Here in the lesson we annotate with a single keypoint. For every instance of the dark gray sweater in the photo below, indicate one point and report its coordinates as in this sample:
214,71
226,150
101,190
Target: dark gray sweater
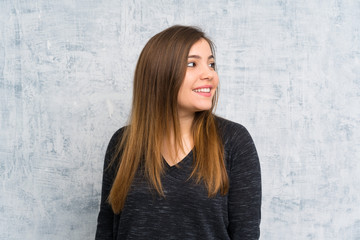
186,212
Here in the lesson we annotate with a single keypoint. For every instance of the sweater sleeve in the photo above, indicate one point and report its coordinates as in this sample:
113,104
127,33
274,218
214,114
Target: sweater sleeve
106,217
244,199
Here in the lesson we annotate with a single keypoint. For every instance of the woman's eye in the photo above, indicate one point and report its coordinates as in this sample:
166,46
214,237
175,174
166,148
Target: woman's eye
191,64
212,65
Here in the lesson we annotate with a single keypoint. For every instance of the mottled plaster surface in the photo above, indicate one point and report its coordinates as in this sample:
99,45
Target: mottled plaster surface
289,72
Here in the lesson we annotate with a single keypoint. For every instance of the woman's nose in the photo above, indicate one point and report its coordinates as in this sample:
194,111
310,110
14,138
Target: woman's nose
207,72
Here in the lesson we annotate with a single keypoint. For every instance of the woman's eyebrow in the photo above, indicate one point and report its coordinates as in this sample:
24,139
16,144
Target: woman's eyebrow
198,57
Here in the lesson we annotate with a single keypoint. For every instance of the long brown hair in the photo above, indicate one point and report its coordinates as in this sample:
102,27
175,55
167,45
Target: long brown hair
158,76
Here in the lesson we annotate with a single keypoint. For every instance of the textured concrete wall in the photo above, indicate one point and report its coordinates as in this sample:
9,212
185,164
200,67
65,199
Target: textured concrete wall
289,72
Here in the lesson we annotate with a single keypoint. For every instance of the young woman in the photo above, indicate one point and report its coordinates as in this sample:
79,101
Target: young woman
177,171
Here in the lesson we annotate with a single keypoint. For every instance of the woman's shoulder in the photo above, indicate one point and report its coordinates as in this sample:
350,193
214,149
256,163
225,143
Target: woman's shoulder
230,129
234,135
117,136
239,146
114,142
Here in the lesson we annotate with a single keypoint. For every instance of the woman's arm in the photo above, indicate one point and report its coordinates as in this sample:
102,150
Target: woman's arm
244,202
105,223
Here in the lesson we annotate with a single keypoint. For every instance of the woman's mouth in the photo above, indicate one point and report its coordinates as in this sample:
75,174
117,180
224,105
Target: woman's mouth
203,90
206,91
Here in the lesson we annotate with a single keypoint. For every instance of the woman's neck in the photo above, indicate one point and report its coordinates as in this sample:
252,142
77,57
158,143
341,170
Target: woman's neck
173,153
186,125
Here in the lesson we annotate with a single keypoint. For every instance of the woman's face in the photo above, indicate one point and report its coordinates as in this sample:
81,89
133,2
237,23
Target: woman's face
199,85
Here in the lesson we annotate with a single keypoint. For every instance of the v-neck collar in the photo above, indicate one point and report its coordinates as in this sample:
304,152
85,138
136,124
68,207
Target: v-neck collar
180,163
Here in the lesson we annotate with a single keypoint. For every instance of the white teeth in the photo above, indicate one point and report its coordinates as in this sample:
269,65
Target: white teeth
204,90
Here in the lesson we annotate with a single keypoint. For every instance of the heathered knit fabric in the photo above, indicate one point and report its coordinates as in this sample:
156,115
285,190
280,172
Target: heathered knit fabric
186,211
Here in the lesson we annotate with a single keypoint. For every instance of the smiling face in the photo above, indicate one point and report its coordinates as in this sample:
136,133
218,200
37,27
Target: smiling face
201,80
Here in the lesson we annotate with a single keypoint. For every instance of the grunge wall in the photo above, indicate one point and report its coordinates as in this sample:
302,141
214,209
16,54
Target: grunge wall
289,72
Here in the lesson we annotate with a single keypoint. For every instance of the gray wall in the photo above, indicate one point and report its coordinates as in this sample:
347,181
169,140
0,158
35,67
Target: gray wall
289,72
